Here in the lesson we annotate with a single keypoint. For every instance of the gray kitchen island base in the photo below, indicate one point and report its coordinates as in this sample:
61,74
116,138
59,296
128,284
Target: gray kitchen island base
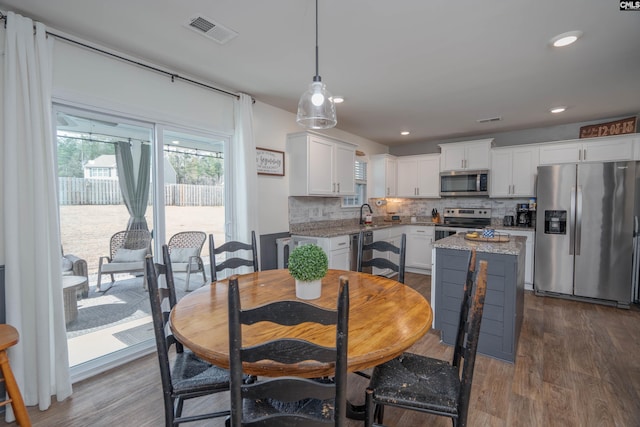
503,309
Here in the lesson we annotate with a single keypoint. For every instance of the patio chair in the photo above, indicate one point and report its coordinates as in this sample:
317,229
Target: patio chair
185,248
127,250
72,265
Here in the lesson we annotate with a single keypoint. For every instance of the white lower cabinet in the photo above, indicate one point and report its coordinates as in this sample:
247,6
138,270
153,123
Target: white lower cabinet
529,256
337,249
419,245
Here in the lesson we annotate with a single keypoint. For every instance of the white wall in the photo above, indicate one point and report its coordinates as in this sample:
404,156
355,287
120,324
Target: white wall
89,79
271,126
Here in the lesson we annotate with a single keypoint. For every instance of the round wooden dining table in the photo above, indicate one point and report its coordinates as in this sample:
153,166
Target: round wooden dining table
385,318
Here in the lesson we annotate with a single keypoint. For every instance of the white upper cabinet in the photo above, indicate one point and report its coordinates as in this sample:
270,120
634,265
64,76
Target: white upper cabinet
384,172
606,149
419,176
320,166
468,155
513,171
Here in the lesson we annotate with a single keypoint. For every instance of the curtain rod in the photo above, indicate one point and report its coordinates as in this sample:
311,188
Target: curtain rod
140,64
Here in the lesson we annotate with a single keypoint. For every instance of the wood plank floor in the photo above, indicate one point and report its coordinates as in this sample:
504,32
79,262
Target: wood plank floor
577,364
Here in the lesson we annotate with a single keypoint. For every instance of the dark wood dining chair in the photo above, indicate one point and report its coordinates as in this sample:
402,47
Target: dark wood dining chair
429,385
233,260
188,376
386,248
288,400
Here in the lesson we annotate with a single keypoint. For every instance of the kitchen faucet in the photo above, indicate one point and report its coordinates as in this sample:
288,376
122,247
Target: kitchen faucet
370,211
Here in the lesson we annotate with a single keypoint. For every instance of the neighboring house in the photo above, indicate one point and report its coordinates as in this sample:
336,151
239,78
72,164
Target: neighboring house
102,167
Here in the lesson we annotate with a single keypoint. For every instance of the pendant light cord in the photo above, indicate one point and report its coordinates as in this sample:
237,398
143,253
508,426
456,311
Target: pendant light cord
316,78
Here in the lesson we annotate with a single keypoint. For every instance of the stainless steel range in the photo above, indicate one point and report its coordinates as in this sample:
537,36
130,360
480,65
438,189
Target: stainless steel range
456,220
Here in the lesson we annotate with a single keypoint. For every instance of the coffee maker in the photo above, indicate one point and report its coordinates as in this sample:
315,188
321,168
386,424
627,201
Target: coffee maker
523,215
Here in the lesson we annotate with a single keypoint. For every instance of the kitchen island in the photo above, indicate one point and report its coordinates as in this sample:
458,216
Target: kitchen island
503,308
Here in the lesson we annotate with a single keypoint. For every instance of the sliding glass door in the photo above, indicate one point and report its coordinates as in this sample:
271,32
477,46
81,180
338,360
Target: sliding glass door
193,195
116,174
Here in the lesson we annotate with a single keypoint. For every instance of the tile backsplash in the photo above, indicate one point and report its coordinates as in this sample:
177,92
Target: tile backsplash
313,209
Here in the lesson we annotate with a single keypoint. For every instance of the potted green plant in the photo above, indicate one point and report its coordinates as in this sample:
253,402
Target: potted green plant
308,264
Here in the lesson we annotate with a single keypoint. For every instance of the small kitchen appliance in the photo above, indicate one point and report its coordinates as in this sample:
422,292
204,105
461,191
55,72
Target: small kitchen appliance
508,221
524,215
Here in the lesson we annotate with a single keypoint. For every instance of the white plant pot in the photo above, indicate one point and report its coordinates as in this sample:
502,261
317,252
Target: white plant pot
309,290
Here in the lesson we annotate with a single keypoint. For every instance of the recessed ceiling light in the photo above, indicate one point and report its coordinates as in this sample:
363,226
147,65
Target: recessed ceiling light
338,99
565,39
175,142
556,110
405,132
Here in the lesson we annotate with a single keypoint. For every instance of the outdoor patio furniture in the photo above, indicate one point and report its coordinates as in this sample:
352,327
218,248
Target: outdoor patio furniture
128,250
74,266
185,248
70,287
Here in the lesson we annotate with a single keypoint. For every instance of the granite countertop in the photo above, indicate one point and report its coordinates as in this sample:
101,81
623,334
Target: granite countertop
342,230
514,246
514,228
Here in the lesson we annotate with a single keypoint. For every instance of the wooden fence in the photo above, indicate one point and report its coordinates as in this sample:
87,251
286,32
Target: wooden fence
92,191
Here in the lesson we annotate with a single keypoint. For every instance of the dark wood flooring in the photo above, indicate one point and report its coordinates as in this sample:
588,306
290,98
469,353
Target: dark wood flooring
578,364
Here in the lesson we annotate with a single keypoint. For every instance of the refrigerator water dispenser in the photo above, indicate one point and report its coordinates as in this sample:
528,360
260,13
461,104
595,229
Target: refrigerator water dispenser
555,222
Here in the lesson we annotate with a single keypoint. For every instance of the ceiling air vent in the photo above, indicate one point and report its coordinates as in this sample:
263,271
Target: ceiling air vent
491,119
211,29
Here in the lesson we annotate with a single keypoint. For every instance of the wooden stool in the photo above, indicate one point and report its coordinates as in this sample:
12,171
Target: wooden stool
9,337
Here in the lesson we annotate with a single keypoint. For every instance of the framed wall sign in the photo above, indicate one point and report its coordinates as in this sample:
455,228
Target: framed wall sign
269,162
619,127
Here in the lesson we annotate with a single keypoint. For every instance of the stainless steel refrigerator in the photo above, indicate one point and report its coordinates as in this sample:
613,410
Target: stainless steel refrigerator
585,231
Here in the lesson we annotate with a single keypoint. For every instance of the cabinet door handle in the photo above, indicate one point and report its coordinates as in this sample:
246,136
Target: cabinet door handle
584,155
341,244
418,191
388,191
338,187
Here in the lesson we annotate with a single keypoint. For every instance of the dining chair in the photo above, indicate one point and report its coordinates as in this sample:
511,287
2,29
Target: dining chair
233,260
8,338
185,248
188,377
424,384
127,251
288,400
384,250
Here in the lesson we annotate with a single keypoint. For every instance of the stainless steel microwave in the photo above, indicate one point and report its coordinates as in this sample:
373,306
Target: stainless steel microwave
464,183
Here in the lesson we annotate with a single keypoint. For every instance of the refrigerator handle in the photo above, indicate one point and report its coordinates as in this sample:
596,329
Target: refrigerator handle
572,216
578,219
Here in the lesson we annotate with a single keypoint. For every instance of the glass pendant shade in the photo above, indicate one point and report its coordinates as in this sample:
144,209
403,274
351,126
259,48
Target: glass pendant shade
316,109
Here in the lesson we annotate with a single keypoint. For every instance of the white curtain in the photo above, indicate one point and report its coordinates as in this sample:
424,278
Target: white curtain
244,174
31,239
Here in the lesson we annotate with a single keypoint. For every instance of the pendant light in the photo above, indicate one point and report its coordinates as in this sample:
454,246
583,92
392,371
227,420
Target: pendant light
316,109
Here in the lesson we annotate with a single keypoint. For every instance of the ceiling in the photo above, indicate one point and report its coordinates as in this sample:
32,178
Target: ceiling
431,67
